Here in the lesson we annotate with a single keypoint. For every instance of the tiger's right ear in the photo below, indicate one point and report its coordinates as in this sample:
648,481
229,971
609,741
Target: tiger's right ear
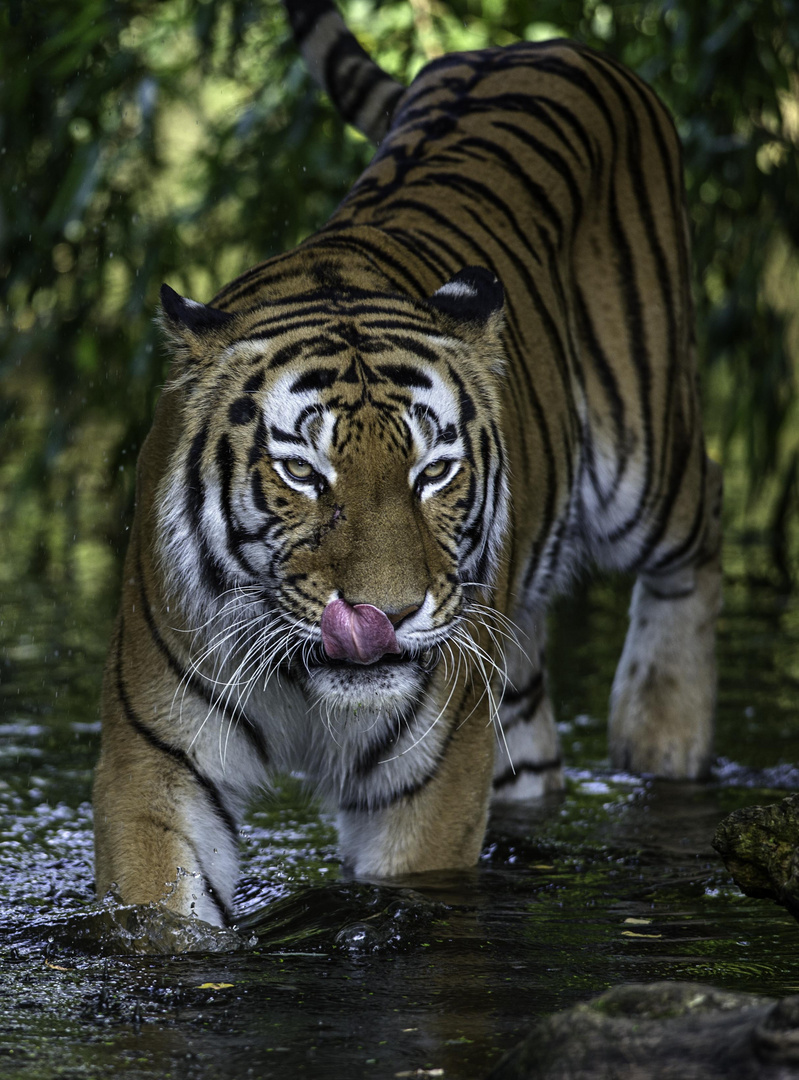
473,296
192,330
471,306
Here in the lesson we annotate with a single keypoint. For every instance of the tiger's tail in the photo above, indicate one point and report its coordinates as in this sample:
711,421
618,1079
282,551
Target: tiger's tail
364,95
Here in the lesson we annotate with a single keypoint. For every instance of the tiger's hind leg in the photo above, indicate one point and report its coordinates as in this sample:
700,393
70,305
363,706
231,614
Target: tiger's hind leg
663,696
527,762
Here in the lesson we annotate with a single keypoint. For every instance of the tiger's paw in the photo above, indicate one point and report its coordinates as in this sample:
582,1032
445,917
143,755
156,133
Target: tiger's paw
660,726
663,699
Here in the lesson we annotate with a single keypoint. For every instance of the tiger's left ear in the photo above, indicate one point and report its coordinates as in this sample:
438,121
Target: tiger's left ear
473,296
191,315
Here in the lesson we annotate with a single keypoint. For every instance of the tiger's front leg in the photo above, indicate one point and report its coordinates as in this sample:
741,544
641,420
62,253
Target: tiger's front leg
528,761
173,777
438,821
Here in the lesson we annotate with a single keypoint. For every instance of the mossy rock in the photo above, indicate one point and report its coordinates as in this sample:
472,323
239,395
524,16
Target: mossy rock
662,1031
760,848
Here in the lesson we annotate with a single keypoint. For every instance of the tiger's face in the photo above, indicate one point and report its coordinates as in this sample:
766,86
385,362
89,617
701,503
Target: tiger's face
337,496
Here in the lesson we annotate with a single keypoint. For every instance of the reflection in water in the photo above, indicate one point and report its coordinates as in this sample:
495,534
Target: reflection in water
613,881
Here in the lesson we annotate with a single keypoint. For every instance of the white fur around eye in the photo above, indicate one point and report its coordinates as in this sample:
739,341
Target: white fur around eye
306,485
433,422
436,469
428,487
299,468
309,438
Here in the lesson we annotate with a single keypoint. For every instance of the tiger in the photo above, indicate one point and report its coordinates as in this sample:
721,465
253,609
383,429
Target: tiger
377,458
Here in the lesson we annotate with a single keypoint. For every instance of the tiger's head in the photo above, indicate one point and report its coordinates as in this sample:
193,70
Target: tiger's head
337,489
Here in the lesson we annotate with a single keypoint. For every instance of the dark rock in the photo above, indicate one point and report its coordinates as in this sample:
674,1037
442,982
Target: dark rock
760,848
662,1031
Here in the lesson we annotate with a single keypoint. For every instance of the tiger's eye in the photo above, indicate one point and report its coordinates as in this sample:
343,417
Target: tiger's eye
435,470
298,468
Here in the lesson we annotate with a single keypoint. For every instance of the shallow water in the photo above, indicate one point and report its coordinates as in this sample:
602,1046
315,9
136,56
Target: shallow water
614,881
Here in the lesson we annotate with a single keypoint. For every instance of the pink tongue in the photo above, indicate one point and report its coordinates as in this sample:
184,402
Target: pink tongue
361,633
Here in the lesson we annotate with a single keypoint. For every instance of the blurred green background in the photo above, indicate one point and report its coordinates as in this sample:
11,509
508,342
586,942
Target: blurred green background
144,141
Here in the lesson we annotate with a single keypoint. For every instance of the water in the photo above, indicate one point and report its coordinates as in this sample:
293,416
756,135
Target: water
614,881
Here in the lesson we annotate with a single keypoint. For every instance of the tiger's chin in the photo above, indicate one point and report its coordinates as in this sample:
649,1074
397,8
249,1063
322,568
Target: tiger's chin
390,684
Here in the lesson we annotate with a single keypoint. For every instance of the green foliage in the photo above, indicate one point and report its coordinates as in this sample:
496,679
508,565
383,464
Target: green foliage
144,141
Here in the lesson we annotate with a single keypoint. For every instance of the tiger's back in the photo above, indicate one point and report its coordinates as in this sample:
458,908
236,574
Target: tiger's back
365,451
561,172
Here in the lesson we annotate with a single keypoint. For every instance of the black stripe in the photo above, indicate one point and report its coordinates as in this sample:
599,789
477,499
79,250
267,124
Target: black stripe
424,253
286,436
615,401
679,594
561,110
418,348
351,75
367,805
634,160
398,323
259,497
405,375
476,532
370,757
533,689
542,110
255,382
634,320
286,353
511,167
210,570
195,496
233,715
376,254
242,411
682,552
258,447
174,752
235,536
305,318
353,94
513,772
545,153
655,113
315,379
210,889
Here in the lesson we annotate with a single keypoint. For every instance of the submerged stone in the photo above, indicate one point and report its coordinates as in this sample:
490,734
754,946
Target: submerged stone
662,1031
760,848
